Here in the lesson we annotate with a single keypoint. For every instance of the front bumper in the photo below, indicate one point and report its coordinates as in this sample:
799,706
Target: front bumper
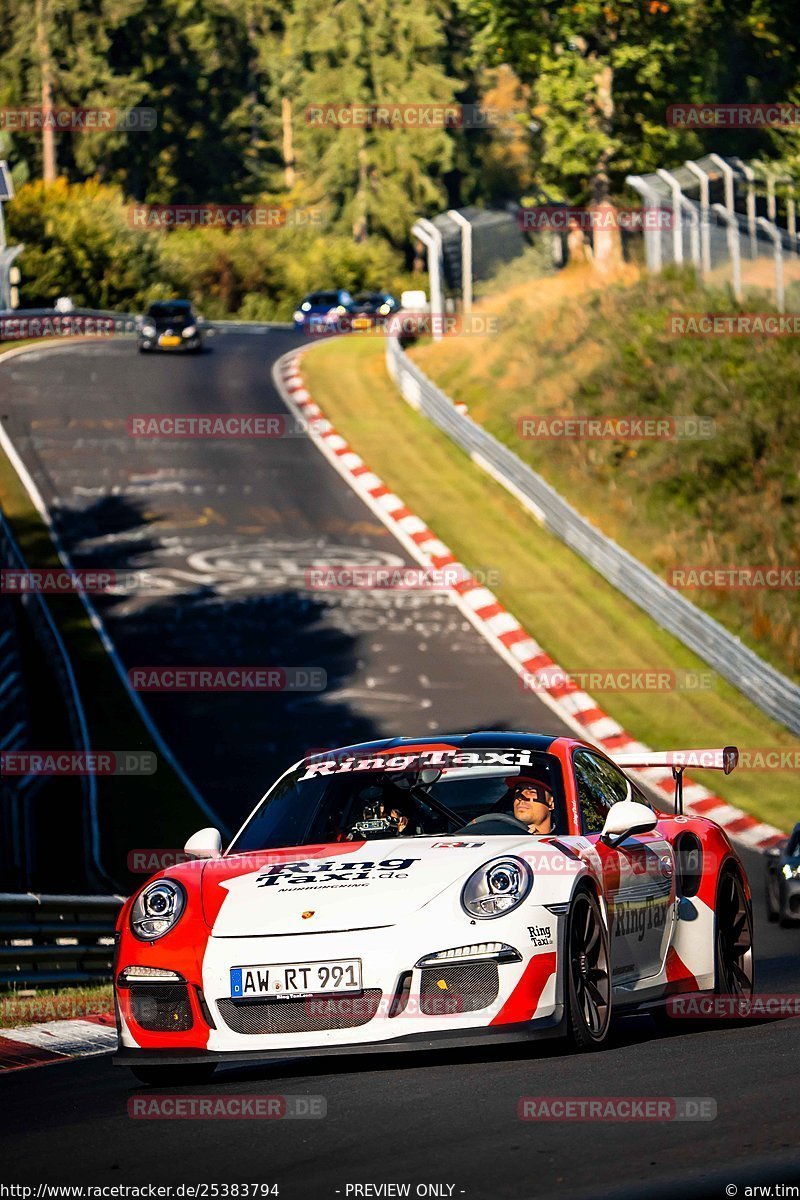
497,1035
192,343
399,1008
789,894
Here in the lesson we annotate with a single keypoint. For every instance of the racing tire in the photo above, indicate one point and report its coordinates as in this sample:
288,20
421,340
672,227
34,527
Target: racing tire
189,1075
587,984
733,938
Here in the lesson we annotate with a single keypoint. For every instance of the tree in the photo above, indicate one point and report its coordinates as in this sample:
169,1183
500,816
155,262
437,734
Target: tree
602,74
79,243
375,180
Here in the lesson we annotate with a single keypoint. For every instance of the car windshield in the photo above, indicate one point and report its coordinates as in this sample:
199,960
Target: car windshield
320,298
398,795
172,308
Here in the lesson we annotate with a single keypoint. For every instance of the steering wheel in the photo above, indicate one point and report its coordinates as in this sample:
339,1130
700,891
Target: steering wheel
493,818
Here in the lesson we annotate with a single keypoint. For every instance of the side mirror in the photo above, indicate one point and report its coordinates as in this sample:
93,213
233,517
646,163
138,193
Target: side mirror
206,843
625,818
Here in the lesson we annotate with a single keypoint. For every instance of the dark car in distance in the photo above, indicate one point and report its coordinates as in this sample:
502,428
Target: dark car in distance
783,879
372,308
170,325
322,310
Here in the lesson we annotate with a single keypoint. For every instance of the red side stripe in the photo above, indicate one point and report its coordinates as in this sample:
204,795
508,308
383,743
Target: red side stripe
524,1000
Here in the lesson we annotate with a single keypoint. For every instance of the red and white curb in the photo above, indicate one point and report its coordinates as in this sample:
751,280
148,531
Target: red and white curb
500,628
56,1041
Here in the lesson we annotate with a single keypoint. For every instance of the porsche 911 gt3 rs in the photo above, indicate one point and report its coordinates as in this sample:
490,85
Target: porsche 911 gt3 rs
403,894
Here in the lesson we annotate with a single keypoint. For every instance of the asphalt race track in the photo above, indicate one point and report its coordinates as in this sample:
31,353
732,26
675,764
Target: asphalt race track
227,531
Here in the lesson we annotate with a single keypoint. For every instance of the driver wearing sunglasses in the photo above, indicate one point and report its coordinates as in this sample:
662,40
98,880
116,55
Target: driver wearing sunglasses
533,803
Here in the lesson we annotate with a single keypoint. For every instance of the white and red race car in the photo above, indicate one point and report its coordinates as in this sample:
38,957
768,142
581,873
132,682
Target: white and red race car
413,894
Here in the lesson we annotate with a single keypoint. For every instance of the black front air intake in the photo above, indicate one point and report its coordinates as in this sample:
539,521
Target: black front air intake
458,989
161,1007
300,1016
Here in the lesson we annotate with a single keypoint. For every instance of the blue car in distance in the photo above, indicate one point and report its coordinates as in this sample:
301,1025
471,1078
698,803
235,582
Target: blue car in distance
331,304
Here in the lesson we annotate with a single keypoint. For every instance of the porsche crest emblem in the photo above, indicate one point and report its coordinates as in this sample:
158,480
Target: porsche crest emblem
308,913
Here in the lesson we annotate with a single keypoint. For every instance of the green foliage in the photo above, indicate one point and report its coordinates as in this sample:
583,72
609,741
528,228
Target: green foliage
378,180
80,242
672,501
603,73
581,86
262,274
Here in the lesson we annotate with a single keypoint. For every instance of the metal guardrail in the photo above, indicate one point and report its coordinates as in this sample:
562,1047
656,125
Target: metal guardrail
49,637
51,940
766,687
128,322
123,322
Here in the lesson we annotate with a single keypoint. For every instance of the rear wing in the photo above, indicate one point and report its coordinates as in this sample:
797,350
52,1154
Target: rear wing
724,759
720,759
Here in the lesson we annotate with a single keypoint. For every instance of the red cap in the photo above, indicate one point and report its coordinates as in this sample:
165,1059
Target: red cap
517,781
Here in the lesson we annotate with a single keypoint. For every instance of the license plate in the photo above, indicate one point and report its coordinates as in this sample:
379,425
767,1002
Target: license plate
338,976
164,340
361,323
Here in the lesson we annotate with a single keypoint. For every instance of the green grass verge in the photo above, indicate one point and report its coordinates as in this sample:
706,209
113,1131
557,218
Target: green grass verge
578,618
133,811
569,346
31,1007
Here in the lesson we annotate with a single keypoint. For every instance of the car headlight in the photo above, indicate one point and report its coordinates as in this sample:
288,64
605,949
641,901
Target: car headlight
299,316
496,888
157,909
149,330
190,331
790,872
